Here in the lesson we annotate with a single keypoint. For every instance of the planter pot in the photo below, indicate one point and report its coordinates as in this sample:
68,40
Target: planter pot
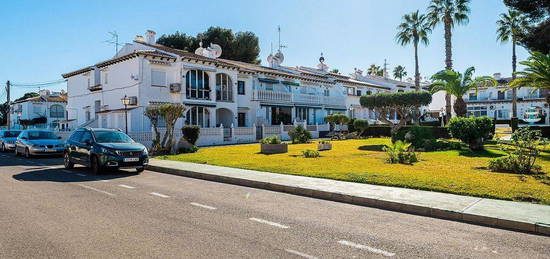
274,148
326,146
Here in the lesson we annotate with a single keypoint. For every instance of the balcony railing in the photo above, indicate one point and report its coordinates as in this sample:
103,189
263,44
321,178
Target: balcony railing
285,97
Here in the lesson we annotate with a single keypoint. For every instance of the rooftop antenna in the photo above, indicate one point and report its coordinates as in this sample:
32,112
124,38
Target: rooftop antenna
114,41
280,46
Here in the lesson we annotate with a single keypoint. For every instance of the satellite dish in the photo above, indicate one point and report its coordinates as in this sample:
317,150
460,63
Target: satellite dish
215,50
279,57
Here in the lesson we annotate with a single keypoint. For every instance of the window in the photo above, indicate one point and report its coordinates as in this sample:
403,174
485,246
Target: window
241,119
369,92
86,137
269,87
326,92
37,108
240,88
301,114
76,136
477,111
472,96
57,111
88,115
501,95
351,91
198,116
358,92
105,78
197,85
224,88
400,91
111,137
158,78
503,114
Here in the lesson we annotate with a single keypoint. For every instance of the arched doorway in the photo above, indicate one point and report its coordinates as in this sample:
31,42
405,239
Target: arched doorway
224,116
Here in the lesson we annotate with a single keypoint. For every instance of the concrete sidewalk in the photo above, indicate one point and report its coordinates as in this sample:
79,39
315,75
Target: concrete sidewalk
520,216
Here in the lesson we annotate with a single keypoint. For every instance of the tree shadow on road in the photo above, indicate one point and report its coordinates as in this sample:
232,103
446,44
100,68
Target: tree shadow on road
80,174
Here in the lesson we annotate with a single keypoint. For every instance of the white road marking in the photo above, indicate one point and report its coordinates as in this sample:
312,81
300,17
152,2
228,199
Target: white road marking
301,254
159,195
269,222
203,206
97,190
79,174
126,186
368,248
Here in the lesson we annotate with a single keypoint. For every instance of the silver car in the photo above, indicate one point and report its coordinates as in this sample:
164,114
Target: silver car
38,142
7,139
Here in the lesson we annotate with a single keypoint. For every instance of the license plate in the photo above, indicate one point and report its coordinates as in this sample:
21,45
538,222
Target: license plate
131,159
50,150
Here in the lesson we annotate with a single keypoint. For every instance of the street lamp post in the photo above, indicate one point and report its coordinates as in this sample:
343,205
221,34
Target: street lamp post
126,102
19,114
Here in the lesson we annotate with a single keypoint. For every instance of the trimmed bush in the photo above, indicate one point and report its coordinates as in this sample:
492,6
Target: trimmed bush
271,140
415,135
191,133
472,131
361,126
299,135
192,149
308,153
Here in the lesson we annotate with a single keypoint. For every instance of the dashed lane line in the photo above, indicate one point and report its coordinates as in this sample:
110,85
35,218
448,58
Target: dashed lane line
301,254
126,186
95,189
274,224
159,195
367,248
202,206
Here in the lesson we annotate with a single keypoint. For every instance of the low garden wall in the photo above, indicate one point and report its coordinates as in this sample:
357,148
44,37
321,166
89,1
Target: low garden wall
385,131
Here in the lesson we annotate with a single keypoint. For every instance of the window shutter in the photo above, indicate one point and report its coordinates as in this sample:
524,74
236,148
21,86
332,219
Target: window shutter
158,78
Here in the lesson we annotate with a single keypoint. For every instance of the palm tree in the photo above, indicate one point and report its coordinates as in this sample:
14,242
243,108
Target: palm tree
448,12
458,84
510,26
536,73
399,72
375,70
414,29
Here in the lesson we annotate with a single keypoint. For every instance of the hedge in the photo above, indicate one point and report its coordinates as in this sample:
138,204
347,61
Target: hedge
385,131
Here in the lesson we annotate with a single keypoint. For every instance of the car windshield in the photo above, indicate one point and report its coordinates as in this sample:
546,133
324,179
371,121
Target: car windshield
11,134
112,137
41,135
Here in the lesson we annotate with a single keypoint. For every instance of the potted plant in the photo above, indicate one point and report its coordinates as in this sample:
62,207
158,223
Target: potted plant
273,145
324,145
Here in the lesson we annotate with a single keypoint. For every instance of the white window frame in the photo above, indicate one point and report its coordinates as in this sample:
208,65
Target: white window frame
160,75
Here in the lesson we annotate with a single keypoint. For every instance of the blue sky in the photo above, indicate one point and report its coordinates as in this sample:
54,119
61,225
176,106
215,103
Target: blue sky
43,39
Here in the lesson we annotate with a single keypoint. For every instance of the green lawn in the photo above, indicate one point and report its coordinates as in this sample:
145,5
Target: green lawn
454,171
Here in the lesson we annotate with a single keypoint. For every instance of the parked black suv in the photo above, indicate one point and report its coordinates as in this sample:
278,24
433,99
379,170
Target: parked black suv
104,148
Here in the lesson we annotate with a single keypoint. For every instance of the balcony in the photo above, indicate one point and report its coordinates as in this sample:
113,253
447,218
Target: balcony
95,87
285,97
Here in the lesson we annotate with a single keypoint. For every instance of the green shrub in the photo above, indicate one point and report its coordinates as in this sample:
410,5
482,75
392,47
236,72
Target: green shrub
192,149
522,153
191,133
299,135
472,131
271,140
308,153
400,152
361,126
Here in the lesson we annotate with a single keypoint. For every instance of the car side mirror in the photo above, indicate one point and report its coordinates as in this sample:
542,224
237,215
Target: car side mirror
58,137
25,138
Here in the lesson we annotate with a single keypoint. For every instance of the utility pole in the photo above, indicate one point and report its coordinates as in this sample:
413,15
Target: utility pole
8,102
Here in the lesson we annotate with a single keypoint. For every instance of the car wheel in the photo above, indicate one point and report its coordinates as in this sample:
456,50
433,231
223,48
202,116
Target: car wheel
67,161
140,169
94,163
27,153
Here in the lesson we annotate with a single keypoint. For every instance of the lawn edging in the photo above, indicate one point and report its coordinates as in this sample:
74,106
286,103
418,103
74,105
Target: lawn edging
504,221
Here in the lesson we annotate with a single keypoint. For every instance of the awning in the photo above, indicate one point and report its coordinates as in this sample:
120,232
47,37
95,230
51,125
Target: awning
308,106
290,83
200,104
277,105
269,81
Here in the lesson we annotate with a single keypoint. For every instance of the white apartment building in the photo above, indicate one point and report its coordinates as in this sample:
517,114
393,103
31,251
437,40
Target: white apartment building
48,108
496,102
216,92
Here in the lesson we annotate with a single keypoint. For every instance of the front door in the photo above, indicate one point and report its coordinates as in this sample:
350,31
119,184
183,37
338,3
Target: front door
241,119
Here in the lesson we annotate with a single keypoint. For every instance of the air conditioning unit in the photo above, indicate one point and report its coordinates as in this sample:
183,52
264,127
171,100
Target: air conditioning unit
133,100
175,88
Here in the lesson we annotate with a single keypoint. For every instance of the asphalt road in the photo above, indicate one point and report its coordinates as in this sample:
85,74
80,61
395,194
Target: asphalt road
47,211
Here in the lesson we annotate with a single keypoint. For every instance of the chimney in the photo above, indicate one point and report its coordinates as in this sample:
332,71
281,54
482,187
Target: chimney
44,92
150,36
139,38
497,76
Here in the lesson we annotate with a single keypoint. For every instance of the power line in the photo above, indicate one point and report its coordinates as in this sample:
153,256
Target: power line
55,82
